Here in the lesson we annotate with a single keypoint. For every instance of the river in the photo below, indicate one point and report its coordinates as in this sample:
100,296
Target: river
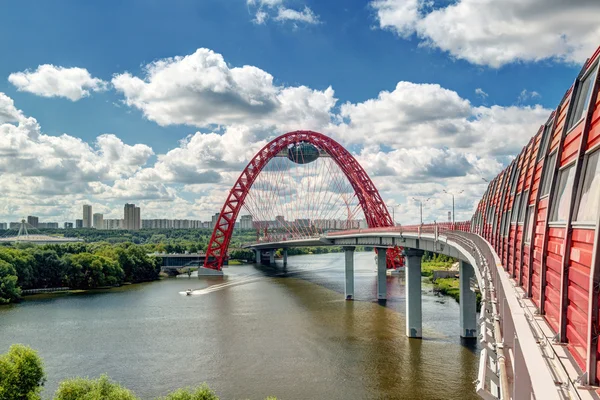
253,333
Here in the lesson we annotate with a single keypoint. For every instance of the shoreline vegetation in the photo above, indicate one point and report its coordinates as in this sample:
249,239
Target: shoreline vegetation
445,286
22,376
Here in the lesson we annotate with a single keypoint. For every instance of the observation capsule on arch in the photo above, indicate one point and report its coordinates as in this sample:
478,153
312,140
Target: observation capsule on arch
303,153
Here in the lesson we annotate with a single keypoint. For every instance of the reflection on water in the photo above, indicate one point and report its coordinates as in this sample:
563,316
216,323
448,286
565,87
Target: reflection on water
256,332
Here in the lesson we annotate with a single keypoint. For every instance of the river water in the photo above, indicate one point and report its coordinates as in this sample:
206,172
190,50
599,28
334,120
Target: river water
254,333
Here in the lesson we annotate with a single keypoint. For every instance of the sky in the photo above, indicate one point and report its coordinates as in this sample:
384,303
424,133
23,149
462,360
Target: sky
162,103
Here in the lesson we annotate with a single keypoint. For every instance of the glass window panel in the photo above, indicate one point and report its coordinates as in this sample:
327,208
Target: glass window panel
524,201
584,95
562,201
506,224
545,141
590,193
515,179
516,204
529,225
547,175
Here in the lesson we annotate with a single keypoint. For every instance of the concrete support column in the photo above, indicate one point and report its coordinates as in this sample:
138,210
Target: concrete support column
272,257
258,255
285,257
381,273
349,253
468,302
414,317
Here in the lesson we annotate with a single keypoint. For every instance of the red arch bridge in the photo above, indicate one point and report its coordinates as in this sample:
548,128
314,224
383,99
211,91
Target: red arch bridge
532,247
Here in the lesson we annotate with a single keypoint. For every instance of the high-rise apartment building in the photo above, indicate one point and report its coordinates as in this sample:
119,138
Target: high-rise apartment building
137,219
68,225
98,221
114,224
3,226
246,222
47,225
78,223
214,220
33,221
87,216
131,217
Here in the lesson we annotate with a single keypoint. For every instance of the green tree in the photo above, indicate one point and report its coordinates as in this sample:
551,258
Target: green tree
85,271
9,291
48,268
200,393
23,263
92,389
21,374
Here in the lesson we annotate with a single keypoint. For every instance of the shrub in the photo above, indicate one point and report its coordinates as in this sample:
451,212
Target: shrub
21,374
92,389
202,392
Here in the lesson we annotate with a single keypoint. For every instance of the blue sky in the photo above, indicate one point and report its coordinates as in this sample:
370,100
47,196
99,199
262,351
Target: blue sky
358,48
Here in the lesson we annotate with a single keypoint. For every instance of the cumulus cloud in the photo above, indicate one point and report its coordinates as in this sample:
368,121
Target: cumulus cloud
495,33
34,165
414,139
8,111
200,89
51,81
417,115
264,10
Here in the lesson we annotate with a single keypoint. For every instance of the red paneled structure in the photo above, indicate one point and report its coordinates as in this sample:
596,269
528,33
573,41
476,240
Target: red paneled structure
542,215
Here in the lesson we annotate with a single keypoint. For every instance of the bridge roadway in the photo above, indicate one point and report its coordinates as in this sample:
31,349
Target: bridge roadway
520,358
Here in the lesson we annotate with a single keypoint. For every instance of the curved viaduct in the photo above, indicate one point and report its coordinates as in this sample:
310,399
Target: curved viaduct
532,248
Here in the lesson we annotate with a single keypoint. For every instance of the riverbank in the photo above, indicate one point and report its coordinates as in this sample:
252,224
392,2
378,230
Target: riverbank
446,286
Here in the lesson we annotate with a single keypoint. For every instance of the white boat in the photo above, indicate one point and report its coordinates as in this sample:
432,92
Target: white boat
188,292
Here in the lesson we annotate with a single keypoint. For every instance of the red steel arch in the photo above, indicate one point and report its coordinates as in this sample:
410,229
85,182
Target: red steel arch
373,207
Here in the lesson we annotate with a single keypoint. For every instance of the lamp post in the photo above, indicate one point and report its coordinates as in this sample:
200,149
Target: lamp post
393,212
452,194
421,207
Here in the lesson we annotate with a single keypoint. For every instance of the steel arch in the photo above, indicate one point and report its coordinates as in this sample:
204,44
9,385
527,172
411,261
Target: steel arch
376,213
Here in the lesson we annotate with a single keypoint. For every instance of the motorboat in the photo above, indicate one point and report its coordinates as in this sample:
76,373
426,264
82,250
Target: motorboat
188,292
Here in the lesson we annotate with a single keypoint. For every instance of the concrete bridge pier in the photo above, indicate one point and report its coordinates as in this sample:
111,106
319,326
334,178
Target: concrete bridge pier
258,256
349,253
414,317
284,258
468,302
381,273
272,257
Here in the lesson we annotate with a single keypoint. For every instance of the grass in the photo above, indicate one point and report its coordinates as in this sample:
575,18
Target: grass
235,262
427,267
448,287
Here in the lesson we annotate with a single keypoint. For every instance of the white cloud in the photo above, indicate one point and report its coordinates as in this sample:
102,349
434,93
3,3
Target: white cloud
306,15
495,33
51,81
401,16
526,95
201,90
415,139
8,111
276,10
417,115
479,92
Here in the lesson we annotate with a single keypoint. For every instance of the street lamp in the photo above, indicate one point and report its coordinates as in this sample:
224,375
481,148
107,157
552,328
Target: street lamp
421,207
393,212
452,194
